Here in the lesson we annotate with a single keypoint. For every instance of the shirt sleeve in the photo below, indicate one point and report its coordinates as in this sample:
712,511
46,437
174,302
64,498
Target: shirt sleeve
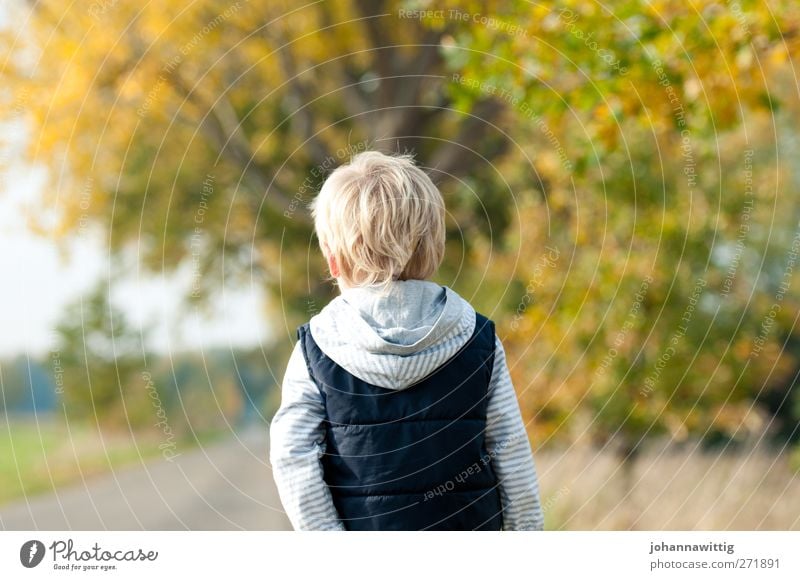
297,442
510,451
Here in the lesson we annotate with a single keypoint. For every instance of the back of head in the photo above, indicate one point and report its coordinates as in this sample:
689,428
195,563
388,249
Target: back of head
382,219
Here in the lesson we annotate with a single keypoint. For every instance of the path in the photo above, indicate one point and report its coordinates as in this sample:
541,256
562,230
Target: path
223,486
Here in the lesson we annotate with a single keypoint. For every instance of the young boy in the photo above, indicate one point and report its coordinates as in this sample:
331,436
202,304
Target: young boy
397,410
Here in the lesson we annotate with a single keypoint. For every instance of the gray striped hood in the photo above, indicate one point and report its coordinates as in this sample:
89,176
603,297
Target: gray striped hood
394,338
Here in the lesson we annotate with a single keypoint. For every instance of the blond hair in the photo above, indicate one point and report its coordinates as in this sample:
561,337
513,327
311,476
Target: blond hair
382,219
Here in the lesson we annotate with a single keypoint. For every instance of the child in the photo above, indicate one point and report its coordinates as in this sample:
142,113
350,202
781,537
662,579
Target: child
397,410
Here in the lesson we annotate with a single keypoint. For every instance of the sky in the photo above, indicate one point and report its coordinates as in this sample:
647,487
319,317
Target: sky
38,282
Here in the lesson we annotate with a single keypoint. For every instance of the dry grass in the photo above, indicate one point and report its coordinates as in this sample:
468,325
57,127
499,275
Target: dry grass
670,489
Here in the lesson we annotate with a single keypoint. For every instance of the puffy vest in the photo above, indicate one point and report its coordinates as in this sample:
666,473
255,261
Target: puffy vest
416,458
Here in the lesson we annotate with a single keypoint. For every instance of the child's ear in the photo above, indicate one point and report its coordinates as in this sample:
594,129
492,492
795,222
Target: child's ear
333,266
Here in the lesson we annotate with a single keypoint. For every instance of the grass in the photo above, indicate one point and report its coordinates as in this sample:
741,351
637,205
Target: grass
40,456
670,488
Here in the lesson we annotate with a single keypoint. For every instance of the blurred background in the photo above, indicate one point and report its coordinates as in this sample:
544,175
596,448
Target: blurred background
622,187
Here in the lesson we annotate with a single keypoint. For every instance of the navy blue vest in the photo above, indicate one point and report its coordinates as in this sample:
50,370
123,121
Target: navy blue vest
410,459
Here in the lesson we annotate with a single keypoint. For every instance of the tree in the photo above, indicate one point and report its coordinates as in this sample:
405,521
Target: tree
198,133
592,156
660,188
102,357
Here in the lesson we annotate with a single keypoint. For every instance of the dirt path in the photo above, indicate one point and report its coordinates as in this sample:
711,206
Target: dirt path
223,486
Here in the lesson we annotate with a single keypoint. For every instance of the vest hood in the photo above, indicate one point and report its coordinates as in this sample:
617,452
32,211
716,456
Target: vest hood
395,337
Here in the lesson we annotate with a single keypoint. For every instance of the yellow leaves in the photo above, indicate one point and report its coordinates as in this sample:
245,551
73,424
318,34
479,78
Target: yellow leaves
744,58
561,319
605,127
72,87
778,55
738,418
604,112
133,88
155,22
539,12
676,426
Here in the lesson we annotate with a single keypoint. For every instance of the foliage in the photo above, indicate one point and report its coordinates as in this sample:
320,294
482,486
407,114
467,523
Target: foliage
100,355
672,212
604,206
198,133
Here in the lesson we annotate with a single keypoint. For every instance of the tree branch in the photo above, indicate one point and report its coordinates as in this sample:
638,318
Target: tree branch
386,56
300,97
450,159
222,125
